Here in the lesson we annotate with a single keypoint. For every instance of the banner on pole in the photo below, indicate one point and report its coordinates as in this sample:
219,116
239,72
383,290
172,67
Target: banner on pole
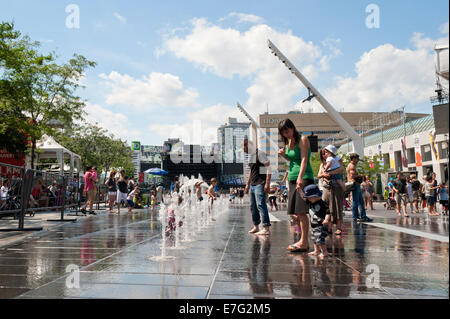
417,151
434,149
391,156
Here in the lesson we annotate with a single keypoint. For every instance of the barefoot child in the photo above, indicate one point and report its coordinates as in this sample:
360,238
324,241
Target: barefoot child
212,194
333,162
130,198
319,217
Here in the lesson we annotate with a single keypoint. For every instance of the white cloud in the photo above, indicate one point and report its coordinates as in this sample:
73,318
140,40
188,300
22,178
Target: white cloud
228,52
116,123
388,77
243,17
200,126
155,90
122,19
444,28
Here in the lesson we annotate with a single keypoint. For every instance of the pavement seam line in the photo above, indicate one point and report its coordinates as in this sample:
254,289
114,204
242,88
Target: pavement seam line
220,263
413,232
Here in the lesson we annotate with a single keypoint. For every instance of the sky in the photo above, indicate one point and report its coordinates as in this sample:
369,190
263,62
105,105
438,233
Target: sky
174,68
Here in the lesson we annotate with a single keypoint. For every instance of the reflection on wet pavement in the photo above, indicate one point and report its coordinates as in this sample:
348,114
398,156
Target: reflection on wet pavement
224,261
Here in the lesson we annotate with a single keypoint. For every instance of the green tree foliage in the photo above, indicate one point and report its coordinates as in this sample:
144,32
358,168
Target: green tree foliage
369,166
37,89
97,148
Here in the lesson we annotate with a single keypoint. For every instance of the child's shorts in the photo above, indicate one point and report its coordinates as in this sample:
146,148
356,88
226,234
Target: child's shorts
319,234
130,202
337,177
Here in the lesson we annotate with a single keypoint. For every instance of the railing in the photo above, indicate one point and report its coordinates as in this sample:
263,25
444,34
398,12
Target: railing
31,191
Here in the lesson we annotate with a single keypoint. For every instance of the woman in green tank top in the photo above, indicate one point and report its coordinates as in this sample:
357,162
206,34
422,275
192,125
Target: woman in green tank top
297,151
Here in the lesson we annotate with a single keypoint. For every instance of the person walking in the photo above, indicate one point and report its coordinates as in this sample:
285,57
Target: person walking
89,188
298,152
415,188
258,184
122,190
333,195
365,187
357,199
241,195
112,190
401,195
273,193
443,198
372,192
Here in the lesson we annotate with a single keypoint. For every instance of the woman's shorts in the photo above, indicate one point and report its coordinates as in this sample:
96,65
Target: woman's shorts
112,195
121,196
296,204
366,195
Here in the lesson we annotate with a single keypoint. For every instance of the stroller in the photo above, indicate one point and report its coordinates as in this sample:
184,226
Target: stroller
390,203
11,203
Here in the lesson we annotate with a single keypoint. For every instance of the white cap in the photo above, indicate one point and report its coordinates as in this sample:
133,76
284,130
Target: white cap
331,148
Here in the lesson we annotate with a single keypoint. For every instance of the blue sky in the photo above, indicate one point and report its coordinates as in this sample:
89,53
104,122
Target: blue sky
165,68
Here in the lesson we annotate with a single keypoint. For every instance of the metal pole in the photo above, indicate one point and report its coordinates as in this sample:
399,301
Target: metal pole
356,139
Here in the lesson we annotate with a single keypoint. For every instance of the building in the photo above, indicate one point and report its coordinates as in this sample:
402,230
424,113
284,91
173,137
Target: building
190,161
319,124
151,157
230,137
410,147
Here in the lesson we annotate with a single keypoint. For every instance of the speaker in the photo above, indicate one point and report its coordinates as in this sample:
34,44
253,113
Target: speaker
314,143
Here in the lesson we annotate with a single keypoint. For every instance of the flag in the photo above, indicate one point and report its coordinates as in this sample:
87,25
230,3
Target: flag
434,145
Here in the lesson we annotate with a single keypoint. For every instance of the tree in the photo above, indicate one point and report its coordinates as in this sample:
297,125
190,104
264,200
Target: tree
43,90
97,147
369,166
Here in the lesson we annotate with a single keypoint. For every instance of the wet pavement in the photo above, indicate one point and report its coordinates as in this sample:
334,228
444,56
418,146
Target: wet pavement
224,261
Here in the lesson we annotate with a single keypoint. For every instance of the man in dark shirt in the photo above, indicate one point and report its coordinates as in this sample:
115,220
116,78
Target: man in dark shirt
416,186
258,184
401,194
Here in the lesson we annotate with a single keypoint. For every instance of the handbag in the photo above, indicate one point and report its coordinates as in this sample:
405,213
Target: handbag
349,187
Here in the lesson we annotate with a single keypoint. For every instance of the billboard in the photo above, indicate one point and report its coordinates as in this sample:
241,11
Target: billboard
135,146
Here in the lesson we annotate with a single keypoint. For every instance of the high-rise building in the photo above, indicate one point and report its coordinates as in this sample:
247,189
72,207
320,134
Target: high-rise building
230,137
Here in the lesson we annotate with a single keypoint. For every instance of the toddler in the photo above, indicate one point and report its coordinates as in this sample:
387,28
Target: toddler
319,218
332,164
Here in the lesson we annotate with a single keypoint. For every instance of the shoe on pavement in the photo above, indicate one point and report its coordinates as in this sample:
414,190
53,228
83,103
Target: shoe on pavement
366,219
92,213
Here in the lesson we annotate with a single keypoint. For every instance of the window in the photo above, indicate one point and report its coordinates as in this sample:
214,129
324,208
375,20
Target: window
411,154
443,149
426,153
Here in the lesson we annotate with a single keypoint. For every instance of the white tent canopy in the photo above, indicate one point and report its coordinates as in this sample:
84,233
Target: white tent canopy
48,148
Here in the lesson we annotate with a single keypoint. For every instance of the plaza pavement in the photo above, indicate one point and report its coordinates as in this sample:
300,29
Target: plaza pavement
390,258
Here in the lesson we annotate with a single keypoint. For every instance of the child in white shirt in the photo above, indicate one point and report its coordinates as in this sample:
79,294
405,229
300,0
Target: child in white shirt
332,164
130,198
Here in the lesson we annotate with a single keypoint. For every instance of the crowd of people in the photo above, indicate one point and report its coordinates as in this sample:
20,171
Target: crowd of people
420,195
324,202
